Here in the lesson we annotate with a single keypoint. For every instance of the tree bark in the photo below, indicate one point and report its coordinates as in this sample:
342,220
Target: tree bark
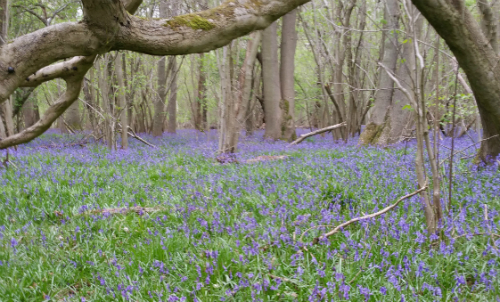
271,79
287,72
172,101
159,106
476,56
379,118
122,100
241,104
201,100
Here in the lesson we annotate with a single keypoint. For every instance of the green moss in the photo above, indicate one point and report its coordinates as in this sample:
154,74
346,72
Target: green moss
371,134
191,20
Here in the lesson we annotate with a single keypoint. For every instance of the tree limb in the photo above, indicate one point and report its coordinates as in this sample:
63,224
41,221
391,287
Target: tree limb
383,211
319,131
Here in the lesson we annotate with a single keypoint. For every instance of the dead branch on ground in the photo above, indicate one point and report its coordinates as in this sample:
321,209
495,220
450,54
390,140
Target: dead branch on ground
383,211
319,131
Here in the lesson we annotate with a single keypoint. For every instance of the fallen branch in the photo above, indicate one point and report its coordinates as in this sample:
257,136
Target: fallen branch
124,211
132,134
282,279
477,234
319,131
266,158
383,211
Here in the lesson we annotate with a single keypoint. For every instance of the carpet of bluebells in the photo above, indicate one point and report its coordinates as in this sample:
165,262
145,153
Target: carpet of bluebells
236,231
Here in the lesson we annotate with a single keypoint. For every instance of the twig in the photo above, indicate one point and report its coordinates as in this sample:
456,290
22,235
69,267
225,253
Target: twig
123,211
319,131
462,150
282,278
383,211
477,234
450,184
310,229
132,134
361,268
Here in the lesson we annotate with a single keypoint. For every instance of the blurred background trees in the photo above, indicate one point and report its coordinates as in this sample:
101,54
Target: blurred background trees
325,63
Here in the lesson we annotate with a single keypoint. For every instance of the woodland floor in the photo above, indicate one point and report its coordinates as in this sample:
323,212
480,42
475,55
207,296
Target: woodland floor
78,223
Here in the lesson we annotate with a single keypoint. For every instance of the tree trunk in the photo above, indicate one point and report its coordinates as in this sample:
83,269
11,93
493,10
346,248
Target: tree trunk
30,112
239,109
72,117
160,100
476,56
227,120
201,100
379,118
287,72
272,90
122,100
90,99
172,102
159,106
6,107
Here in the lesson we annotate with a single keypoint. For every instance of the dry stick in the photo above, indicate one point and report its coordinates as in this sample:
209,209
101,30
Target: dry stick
362,265
450,185
319,131
383,211
124,211
477,234
132,134
282,278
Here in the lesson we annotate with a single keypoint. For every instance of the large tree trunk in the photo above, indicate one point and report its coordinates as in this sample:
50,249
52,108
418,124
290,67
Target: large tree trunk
379,118
287,72
271,79
476,56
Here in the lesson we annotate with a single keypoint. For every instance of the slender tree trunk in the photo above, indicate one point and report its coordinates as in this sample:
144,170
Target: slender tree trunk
72,116
159,106
272,90
90,99
172,102
122,100
239,111
30,111
380,118
201,100
6,107
227,108
107,104
252,108
287,72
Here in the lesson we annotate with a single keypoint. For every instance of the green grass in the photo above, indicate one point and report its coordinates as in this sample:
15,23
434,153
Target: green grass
252,215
